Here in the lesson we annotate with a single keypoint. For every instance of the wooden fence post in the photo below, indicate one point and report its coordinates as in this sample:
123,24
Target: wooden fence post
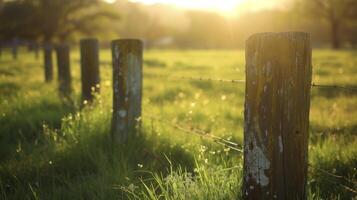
277,103
64,71
89,68
127,55
48,62
14,49
36,49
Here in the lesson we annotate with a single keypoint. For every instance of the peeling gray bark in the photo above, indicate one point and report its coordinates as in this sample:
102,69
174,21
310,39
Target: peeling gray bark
277,103
127,87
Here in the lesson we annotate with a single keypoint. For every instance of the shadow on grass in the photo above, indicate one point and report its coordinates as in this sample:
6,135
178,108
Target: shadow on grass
24,125
154,63
203,85
90,168
8,89
334,92
169,95
333,187
320,133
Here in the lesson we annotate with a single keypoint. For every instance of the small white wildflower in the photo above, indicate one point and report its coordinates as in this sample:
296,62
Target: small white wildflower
131,187
226,149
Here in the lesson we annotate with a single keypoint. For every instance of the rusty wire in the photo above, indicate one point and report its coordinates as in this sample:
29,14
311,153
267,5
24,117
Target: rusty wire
234,146
353,89
221,80
330,174
198,132
191,78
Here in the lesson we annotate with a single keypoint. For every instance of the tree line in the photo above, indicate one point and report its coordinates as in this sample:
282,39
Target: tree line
330,22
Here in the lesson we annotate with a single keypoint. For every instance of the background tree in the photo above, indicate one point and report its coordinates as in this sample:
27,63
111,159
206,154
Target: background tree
50,20
336,12
15,20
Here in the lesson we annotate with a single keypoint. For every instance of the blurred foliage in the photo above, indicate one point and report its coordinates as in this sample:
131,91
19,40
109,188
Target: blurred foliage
341,15
50,20
166,26
330,22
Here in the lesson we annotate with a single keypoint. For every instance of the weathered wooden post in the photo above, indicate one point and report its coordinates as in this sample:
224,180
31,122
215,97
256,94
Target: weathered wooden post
64,71
89,68
14,49
277,103
48,62
36,49
127,55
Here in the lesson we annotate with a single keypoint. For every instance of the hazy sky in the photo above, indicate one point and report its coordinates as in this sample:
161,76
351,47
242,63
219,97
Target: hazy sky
226,7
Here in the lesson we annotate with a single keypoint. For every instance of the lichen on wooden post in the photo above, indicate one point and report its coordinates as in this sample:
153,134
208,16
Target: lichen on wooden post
127,55
89,68
48,66
277,103
64,71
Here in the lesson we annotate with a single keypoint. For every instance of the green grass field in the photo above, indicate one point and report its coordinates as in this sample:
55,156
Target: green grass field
50,149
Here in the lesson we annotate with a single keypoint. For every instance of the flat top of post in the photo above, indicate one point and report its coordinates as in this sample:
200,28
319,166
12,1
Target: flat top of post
292,35
128,41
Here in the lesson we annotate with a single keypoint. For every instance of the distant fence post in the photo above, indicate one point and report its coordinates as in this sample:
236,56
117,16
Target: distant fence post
127,55
14,48
36,50
89,68
64,71
277,103
48,65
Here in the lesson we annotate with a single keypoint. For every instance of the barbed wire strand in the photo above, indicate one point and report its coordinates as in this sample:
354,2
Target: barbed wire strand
342,185
354,89
202,132
332,174
191,78
205,132
209,79
243,81
215,139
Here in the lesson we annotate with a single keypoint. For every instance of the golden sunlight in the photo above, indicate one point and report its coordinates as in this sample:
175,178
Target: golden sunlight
110,1
223,6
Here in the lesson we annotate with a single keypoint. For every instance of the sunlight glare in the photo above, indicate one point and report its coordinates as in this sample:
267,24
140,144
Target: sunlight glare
110,1
224,6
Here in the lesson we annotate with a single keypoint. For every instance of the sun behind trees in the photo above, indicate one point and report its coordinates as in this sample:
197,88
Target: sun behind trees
174,108
330,23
